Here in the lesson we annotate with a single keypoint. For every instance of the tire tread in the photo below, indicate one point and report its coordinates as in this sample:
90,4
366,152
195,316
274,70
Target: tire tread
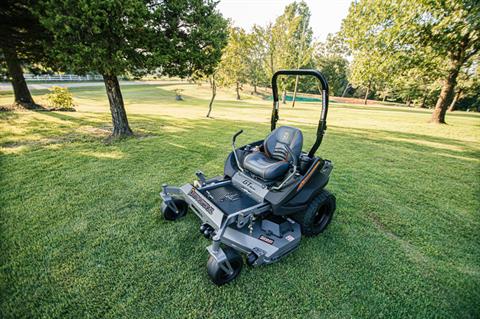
304,218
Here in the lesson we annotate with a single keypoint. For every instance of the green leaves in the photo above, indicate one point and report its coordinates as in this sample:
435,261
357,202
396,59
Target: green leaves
335,69
293,36
410,45
116,37
233,67
21,32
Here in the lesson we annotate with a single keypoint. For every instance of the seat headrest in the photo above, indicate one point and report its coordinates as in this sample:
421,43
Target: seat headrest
284,135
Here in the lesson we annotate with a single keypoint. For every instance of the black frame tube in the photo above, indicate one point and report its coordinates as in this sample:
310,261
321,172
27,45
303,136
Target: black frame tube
322,123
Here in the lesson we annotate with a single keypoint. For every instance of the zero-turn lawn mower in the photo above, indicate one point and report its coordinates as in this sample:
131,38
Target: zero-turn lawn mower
270,194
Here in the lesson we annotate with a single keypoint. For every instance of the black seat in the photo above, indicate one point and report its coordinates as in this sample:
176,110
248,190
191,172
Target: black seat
273,163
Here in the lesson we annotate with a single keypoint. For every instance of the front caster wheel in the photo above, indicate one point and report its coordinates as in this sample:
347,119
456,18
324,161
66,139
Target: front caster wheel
218,274
170,214
318,215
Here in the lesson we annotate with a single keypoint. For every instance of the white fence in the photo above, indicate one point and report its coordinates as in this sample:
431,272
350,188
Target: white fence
63,77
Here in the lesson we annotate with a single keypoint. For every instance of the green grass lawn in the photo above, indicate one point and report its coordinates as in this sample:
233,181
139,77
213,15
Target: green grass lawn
82,236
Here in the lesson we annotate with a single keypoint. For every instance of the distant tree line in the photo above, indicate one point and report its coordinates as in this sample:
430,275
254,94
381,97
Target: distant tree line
251,58
418,52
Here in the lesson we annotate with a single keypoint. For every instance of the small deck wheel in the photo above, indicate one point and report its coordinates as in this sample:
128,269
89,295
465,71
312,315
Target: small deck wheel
318,215
218,274
171,214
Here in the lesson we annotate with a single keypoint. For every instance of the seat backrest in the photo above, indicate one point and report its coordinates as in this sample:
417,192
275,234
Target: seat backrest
275,143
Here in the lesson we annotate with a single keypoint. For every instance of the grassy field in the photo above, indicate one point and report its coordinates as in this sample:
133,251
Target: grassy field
82,236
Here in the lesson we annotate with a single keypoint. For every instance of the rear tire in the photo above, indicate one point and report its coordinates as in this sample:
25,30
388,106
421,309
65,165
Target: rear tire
318,214
217,274
170,214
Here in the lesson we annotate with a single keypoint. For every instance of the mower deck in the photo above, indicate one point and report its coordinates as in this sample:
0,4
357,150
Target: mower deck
223,205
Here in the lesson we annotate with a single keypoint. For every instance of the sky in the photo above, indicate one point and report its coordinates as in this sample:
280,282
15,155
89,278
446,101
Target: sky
327,15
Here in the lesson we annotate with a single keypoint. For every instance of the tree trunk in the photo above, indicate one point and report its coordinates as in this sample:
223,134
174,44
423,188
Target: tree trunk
366,94
407,103
384,98
445,97
271,63
213,85
284,96
346,88
457,59
295,91
451,108
119,116
255,88
424,100
238,91
20,89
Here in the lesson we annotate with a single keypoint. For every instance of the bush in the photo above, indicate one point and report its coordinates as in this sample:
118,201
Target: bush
60,99
178,94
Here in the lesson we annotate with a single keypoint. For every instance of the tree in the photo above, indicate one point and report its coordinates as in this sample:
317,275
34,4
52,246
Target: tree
270,42
302,44
285,44
330,59
467,80
293,36
232,69
453,32
117,37
334,45
213,86
200,78
470,97
256,56
335,69
410,78
448,31
22,40
368,71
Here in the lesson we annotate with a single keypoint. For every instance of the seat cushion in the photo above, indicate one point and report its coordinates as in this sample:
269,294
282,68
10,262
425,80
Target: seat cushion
283,136
265,167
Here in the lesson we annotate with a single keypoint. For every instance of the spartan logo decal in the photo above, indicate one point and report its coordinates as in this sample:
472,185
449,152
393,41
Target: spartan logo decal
201,201
285,137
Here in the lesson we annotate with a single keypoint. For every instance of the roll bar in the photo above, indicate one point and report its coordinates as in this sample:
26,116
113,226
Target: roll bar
322,124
